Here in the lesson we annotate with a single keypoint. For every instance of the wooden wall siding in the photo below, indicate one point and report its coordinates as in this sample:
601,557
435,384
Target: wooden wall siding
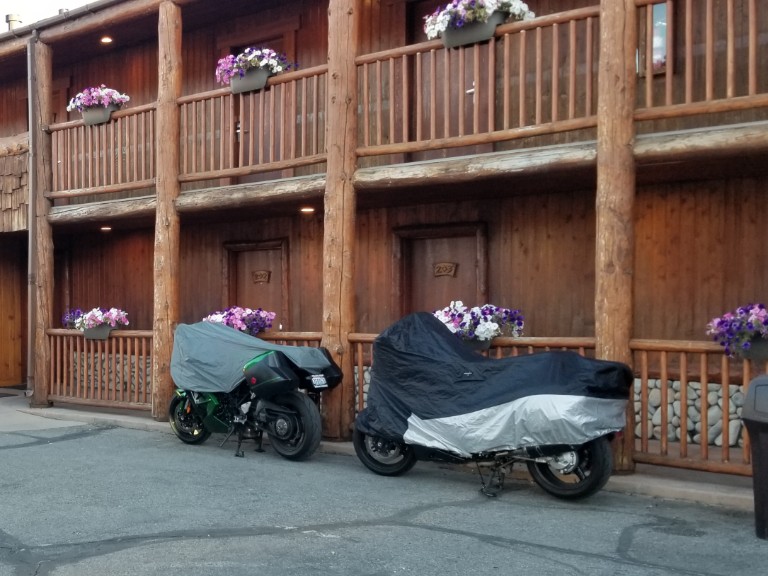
131,70
701,250
13,273
719,52
282,126
542,263
204,290
113,269
13,104
111,157
304,23
14,191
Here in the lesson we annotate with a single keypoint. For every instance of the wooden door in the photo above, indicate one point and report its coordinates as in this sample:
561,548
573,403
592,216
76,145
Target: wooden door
259,279
440,264
12,301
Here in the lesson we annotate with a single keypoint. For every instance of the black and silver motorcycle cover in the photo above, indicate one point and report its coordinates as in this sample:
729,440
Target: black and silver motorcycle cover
209,357
428,388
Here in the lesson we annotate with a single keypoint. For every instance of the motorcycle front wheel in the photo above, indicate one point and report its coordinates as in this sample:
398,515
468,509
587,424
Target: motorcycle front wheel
384,457
295,435
575,474
185,423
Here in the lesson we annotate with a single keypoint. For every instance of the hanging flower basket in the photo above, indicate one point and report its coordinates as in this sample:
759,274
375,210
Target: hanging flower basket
99,322
473,32
477,345
463,22
253,79
97,103
250,69
757,351
743,332
99,115
100,332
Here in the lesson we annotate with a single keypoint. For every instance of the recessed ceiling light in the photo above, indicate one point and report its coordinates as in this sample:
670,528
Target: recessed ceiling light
106,228
106,39
307,209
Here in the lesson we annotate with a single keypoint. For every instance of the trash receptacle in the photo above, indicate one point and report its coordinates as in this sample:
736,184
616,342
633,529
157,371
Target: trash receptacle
755,416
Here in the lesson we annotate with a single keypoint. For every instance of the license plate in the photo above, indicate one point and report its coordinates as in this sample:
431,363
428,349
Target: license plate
319,381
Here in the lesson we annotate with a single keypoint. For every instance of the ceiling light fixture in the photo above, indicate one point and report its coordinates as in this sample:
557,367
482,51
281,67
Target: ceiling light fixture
106,39
307,209
106,228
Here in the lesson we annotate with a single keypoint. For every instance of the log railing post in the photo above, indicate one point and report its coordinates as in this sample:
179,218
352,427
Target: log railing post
40,75
167,226
340,207
615,198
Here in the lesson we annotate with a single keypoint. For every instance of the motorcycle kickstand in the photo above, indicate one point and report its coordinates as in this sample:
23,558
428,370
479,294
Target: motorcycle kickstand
238,451
496,472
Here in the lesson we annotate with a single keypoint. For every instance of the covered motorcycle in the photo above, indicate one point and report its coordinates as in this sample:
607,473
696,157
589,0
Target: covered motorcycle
432,397
230,382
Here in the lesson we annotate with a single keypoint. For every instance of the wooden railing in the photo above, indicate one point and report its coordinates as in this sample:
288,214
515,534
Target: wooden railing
225,135
670,377
113,373
715,66
689,392
427,97
535,78
112,157
691,395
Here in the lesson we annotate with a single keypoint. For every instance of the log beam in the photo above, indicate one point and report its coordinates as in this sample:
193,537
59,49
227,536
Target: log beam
122,209
340,207
167,226
615,198
252,195
40,265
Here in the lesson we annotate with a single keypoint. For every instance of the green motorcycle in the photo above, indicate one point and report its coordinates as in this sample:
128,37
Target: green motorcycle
277,391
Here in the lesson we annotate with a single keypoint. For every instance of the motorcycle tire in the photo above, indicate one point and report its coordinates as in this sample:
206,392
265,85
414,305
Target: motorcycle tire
384,457
295,436
187,425
576,474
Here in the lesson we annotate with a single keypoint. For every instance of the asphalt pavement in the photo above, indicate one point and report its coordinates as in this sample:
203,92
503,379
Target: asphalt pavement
720,490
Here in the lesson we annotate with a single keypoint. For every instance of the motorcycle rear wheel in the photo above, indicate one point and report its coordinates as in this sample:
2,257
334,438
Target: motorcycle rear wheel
295,436
185,423
384,457
584,476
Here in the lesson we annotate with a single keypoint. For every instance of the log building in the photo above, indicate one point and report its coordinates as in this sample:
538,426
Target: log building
600,167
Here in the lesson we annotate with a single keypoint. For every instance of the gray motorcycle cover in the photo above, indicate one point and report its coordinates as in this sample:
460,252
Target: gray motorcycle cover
209,357
429,389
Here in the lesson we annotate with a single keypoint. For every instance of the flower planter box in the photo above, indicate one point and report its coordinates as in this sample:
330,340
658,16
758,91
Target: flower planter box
758,350
98,115
100,332
473,32
478,345
254,79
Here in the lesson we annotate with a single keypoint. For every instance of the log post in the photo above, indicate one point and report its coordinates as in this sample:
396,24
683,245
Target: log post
614,251
167,226
40,266
340,208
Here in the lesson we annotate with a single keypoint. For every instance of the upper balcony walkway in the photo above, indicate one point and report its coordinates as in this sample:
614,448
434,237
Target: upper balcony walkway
498,103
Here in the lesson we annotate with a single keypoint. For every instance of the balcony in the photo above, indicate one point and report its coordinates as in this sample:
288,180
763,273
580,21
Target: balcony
534,85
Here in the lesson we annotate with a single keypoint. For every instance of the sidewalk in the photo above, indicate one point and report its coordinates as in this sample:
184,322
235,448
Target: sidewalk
722,490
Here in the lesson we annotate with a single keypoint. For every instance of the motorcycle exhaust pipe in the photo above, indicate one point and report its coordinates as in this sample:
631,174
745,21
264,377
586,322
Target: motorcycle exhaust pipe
549,450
